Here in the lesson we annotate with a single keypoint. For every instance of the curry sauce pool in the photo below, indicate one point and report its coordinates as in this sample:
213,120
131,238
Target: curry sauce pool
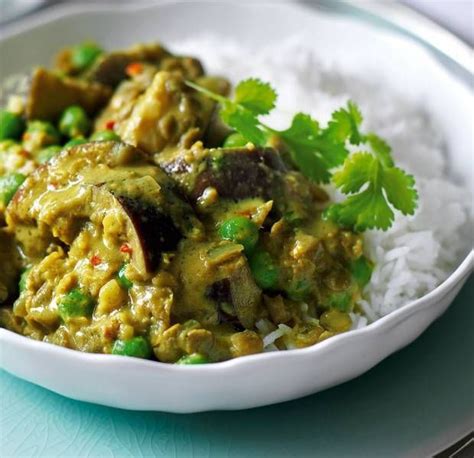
172,225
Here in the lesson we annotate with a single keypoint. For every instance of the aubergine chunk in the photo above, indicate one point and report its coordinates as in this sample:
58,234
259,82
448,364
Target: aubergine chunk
10,263
111,68
121,104
108,185
50,94
241,173
169,114
237,174
215,285
151,230
155,231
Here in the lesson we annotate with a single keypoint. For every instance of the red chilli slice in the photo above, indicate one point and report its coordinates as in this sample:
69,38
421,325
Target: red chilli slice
110,125
95,260
126,248
134,68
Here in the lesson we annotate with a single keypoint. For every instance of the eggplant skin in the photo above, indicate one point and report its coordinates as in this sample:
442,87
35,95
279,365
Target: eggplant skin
49,95
220,292
110,68
213,290
240,173
154,229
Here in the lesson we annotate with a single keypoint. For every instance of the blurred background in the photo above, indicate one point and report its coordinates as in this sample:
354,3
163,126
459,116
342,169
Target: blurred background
455,15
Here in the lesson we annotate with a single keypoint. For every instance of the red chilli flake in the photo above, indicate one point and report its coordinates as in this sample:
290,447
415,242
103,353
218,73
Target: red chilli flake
25,154
110,125
125,248
95,260
134,68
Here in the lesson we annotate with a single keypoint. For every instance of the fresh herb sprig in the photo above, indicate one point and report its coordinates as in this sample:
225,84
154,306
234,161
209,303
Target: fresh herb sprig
373,184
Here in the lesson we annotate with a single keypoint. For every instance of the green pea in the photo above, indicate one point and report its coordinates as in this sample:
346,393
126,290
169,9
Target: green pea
340,301
75,303
74,122
194,358
84,55
138,347
47,153
362,270
11,125
9,184
122,279
240,230
23,278
264,270
105,136
235,140
52,136
75,142
298,290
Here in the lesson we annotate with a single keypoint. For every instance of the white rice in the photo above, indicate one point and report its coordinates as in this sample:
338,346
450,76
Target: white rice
270,338
417,253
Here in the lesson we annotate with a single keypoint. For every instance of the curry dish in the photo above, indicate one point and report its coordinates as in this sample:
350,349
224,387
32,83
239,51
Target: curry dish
133,221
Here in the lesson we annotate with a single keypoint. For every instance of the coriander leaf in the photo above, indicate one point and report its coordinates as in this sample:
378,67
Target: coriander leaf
380,148
311,165
400,190
370,208
366,210
244,122
256,96
356,120
344,125
334,154
355,173
304,126
313,154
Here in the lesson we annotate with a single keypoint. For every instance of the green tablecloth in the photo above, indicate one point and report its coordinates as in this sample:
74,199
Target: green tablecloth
401,405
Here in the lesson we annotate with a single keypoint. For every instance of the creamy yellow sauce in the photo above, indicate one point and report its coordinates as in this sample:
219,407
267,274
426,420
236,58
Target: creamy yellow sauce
110,241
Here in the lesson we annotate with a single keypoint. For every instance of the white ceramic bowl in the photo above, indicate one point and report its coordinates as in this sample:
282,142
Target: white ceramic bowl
271,377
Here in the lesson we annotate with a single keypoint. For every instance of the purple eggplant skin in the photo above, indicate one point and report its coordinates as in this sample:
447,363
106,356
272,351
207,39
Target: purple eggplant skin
240,173
155,231
220,292
237,298
111,68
